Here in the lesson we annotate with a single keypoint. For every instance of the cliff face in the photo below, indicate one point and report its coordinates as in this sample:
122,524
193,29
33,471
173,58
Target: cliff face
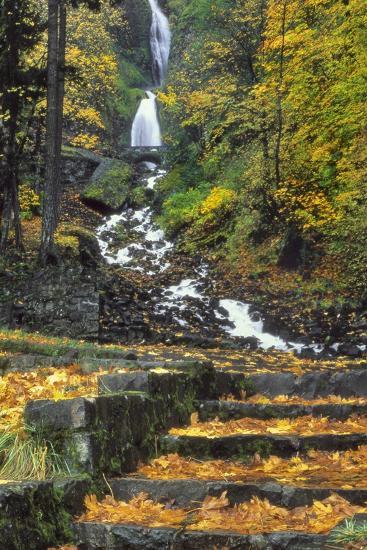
135,44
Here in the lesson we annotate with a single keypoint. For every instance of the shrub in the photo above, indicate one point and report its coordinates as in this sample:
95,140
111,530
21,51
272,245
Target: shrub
29,201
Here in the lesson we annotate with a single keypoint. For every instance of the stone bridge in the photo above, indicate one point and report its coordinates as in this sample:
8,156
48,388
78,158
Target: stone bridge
147,154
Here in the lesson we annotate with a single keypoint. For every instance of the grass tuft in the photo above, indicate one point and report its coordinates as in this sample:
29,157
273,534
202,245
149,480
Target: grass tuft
350,531
25,458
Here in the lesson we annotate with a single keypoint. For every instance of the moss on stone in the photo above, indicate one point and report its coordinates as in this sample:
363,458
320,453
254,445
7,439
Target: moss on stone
111,186
34,517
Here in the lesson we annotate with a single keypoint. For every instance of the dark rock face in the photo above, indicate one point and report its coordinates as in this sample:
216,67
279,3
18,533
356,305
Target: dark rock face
245,446
94,536
232,410
122,309
37,515
185,493
111,433
62,301
348,383
78,302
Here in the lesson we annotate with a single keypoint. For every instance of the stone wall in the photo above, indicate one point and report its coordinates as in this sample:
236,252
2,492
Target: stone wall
64,301
113,432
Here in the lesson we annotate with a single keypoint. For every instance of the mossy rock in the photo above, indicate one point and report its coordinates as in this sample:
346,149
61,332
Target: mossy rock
78,242
110,186
78,153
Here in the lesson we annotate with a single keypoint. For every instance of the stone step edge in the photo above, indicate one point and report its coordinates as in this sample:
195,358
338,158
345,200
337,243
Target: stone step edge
210,409
121,536
187,491
237,446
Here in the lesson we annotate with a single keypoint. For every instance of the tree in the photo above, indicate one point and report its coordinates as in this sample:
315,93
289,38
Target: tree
57,13
20,29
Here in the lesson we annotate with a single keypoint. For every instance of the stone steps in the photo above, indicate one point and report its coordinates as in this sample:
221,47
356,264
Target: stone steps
128,422
308,385
234,410
186,493
245,446
97,536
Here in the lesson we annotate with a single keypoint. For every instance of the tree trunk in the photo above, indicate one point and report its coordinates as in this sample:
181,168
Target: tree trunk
53,140
60,99
278,143
10,107
5,218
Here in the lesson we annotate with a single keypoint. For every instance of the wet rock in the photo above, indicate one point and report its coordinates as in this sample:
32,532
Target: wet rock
350,350
61,415
273,384
92,536
131,381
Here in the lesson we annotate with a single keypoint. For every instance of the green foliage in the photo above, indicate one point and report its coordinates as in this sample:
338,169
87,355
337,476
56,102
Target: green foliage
181,209
130,83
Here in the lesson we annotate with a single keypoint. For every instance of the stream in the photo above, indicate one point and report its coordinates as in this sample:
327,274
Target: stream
188,303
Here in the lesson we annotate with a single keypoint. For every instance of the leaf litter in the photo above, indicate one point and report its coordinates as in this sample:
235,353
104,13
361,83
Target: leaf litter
302,425
337,469
215,513
259,399
17,388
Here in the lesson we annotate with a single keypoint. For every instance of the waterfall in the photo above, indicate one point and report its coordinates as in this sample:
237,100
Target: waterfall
160,42
146,131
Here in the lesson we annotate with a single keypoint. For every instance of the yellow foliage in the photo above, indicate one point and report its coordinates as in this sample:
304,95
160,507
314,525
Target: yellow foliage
332,469
17,388
28,199
305,204
66,241
219,199
168,98
86,141
304,425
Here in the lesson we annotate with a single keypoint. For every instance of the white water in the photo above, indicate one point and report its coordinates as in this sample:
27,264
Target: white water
238,314
146,131
150,239
160,43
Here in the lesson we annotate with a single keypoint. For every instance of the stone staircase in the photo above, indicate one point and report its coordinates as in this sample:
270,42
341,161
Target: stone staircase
145,412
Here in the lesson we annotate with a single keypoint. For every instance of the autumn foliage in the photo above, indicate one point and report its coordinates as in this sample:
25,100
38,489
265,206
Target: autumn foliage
303,425
331,469
16,388
270,97
255,516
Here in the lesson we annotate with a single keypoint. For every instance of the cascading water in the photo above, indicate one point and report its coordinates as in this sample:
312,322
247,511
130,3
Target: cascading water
160,43
146,131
